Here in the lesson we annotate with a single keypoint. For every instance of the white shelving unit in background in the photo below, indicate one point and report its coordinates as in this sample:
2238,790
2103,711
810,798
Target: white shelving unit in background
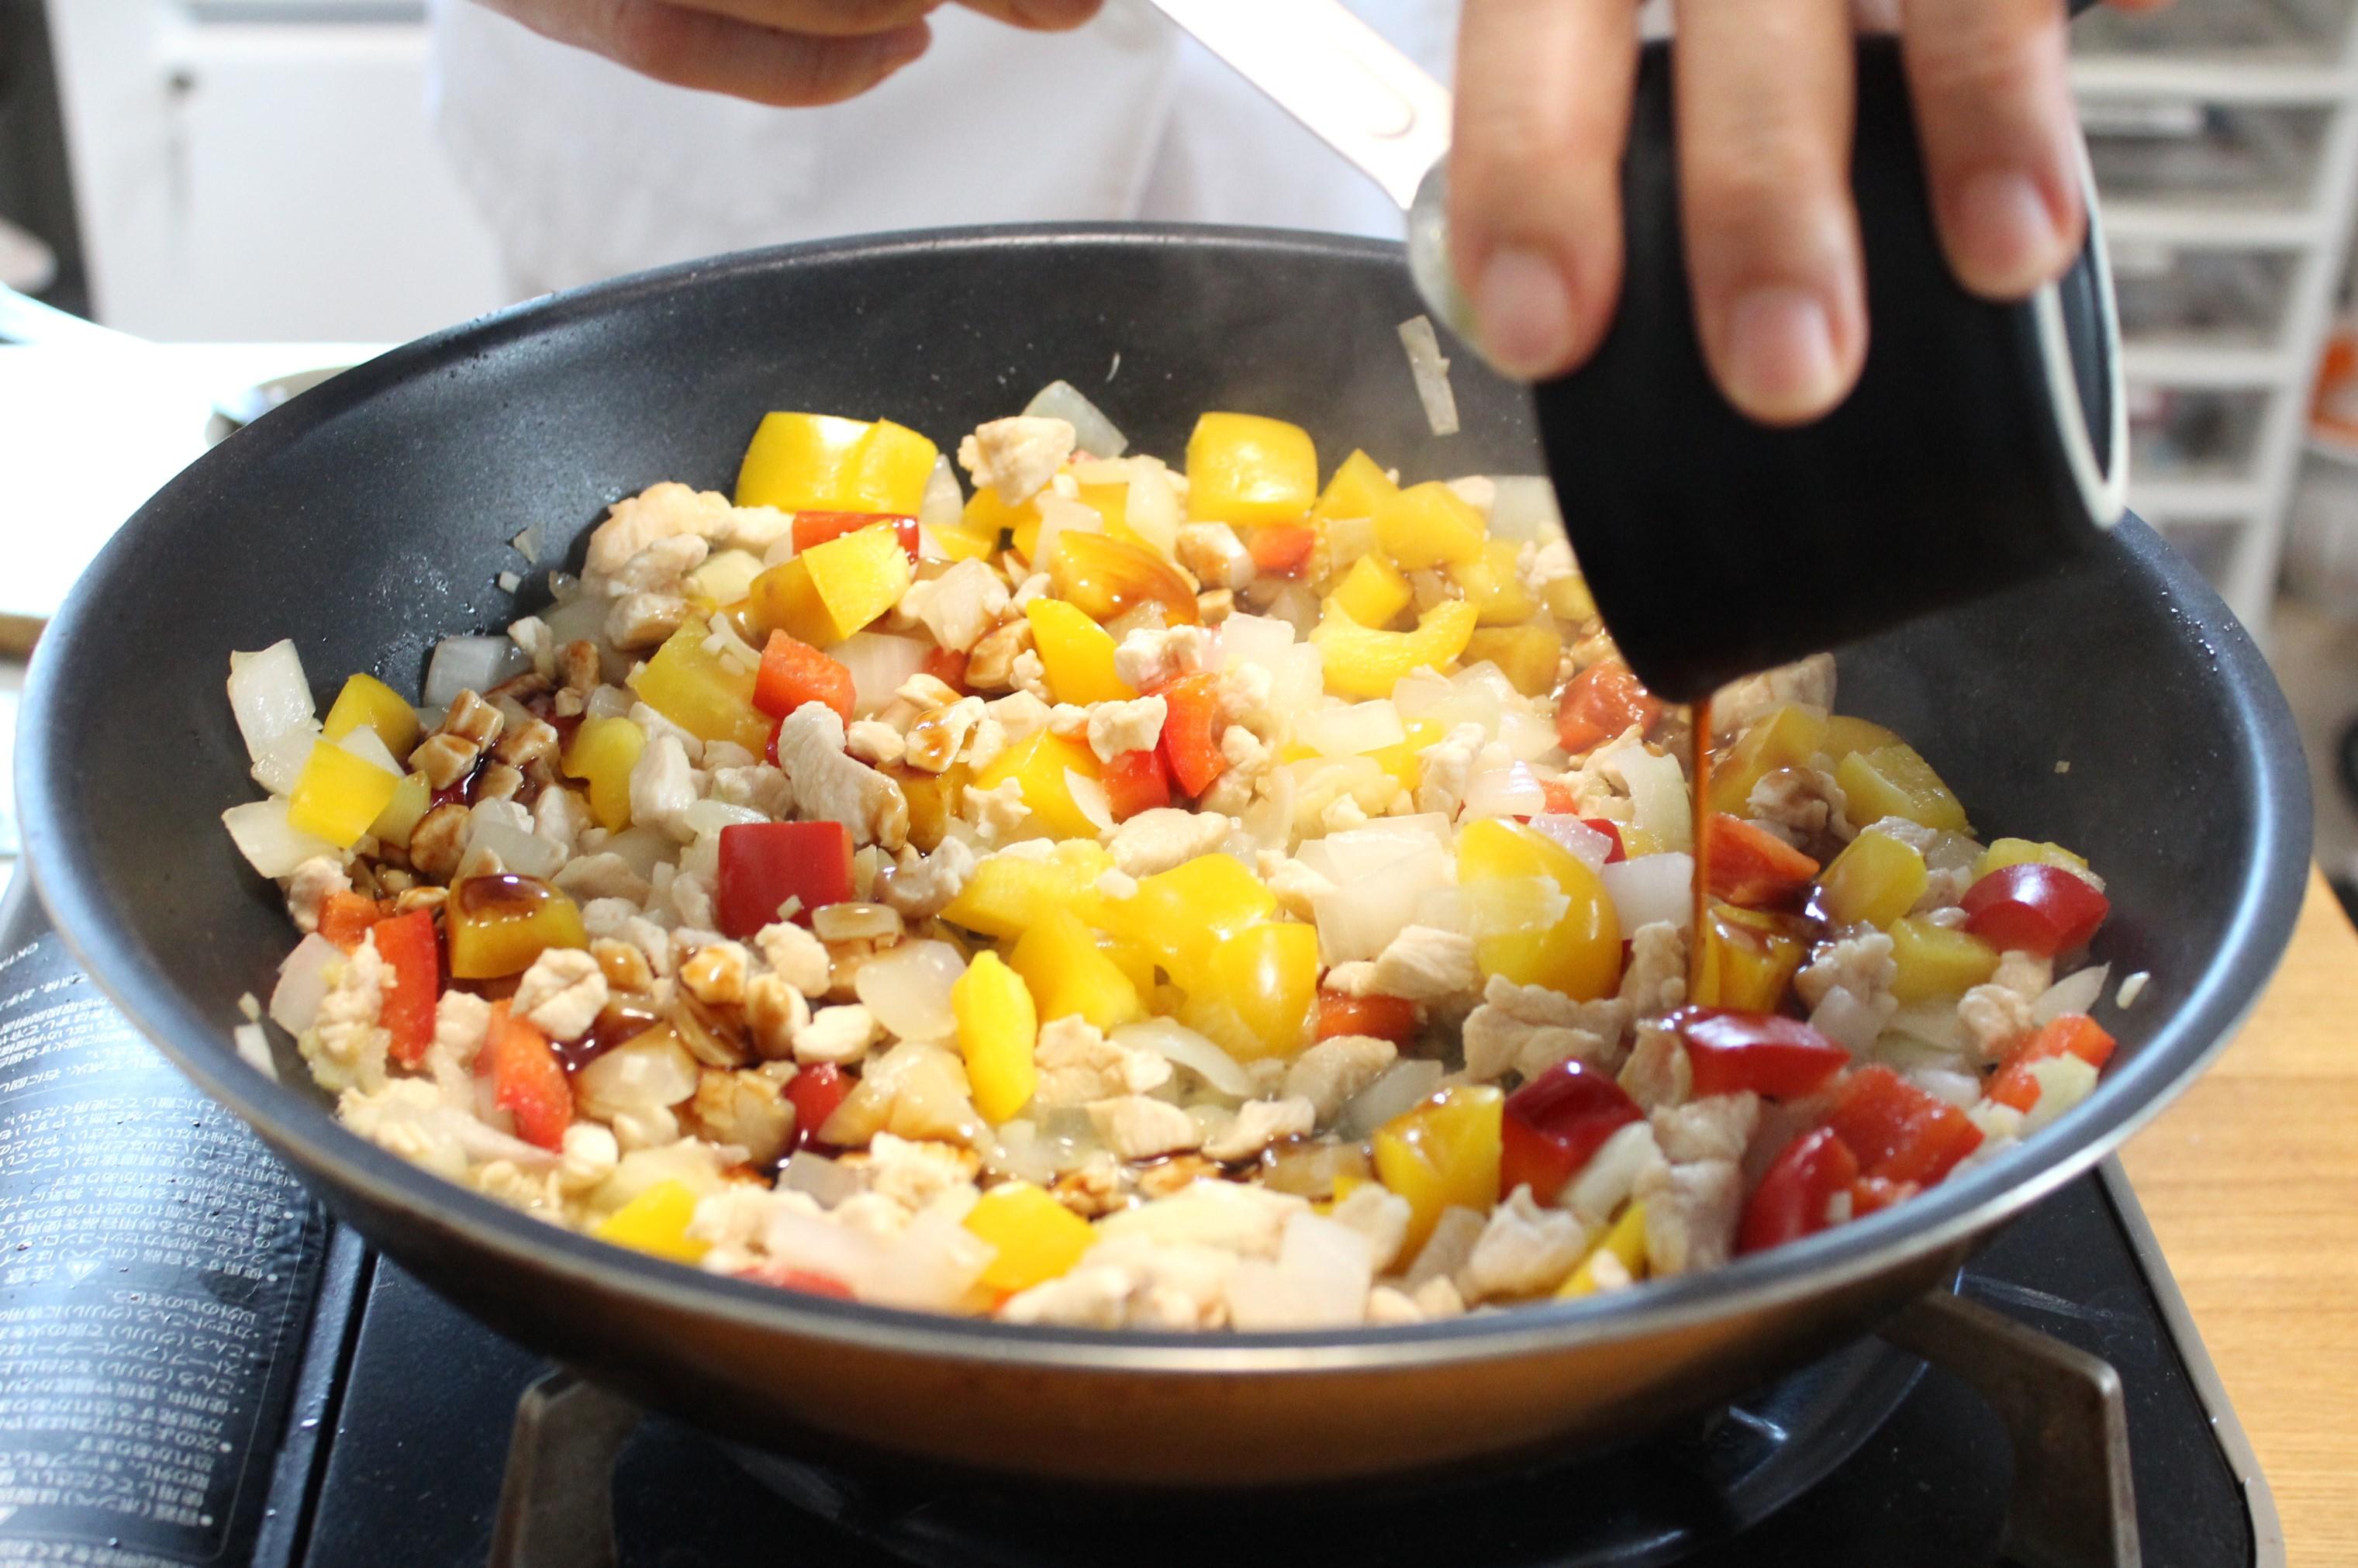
2224,135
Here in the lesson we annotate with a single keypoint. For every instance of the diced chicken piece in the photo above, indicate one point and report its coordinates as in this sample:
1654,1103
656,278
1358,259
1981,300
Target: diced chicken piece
533,638
718,974
1016,457
344,1045
1137,1127
1690,1214
587,1155
1379,1216
1657,1072
1079,1065
775,1013
1809,683
1719,1127
1259,1124
1390,1308
914,1171
994,814
562,993
661,567
1135,725
461,1021
1523,1251
1028,673
746,1109
643,620
1214,553
794,956
959,606
1297,886
873,741
1234,1216
921,886
561,816
403,1117
1150,656
1157,839
1993,1020
1861,964
759,786
990,663
1424,963
1092,1296
922,691
1330,1072
591,877
1446,768
839,1035
1245,694
1656,981
663,785
315,881
829,785
1439,1297
2026,974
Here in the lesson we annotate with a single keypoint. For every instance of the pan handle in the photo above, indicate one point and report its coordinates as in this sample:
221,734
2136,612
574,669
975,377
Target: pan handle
557,1500
2073,1505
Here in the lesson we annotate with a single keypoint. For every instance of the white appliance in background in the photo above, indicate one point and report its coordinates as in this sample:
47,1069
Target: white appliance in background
264,171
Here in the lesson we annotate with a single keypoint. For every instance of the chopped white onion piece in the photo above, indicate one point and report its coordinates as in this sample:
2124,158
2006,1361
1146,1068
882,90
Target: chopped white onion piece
820,1177
1848,1020
1529,736
1089,799
303,980
711,815
1523,508
1421,694
880,663
2131,988
1319,1280
1934,1023
1432,373
928,1267
520,850
270,844
1404,1085
1445,909
508,582
1346,857
280,762
579,620
943,505
470,664
1186,1048
1351,731
1658,789
254,1050
2075,992
1359,919
268,693
527,544
724,640
906,988
1960,1089
1253,640
1058,516
643,1074
1092,431
1647,888
368,747
1153,511
641,847
1297,681
1511,791
1589,847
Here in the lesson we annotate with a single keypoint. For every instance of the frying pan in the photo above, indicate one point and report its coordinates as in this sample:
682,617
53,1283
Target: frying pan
2115,705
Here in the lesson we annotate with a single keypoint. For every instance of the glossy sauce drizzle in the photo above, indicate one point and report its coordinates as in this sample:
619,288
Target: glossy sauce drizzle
1699,816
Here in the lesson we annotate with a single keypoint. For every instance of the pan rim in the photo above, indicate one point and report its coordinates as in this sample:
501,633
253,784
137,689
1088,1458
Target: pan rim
2266,904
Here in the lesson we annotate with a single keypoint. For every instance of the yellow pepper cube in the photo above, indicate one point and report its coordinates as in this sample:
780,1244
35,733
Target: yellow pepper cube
933,800
724,579
1111,500
1043,766
1373,591
1245,470
1358,487
1405,762
412,799
1181,916
656,1222
2005,852
832,590
1363,662
1429,525
368,701
986,516
1568,599
1528,656
1255,994
1876,879
603,753
1749,956
707,695
1038,1238
1895,781
1845,735
1070,975
819,462
1579,952
997,1029
1624,1241
1008,895
1493,587
1785,737
1937,961
338,794
499,924
1443,1154
1076,652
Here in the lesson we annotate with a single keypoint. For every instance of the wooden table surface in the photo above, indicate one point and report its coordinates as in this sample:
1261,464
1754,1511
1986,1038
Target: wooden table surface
2251,1182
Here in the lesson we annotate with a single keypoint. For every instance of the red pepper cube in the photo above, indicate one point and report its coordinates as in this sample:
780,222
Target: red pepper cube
793,673
1553,1125
764,864
1897,1130
1793,1198
818,527
2034,908
1773,1056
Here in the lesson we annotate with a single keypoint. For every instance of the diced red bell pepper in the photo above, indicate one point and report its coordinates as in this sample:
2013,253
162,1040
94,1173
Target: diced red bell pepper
407,943
809,1281
527,1080
2036,908
1897,1130
1556,1123
1612,830
1791,1200
1773,1056
947,665
1282,548
769,751
1599,703
1752,867
1392,1018
345,918
1191,741
1135,782
2072,1035
1871,1194
818,527
795,672
762,864
816,1092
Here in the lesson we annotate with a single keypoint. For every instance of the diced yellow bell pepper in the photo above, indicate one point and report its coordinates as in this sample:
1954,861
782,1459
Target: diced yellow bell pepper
656,1222
1625,1241
932,801
1373,591
368,701
1103,577
997,1029
1568,599
988,516
1038,1238
1429,525
1256,994
499,924
1637,841
1442,1154
1076,652
1528,656
725,577
1846,734
1894,781
1785,737
1493,587
958,543
2005,852
1245,470
1111,502
1070,974
1937,960
1876,879
1039,763
832,590
1363,662
1580,954
601,753
1749,956
1405,762
1358,487
412,799
1008,895
1135,962
338,794
1181,916
818,462
707,695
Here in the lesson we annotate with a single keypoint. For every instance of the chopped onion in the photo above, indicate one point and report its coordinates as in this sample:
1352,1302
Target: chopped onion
1269,816
1658,789
724,640
1849,1022
1346,857
928,1267
2063,1082
943,505
579,620
2075,992
1153,511
907,989
1253,640
254,1050
1089,799
879,665
810,1242
272,844
1424,694
369,746
268,693
1092,431
711,815
280,763
1359,919
1017,1150
1432,373
1960,1089
520,849
1297,681
818,1176
1647,888
1587,845
1528,736
303,980
1320,1280
470,664
527,544
1185,1048
1511,791
1351,731
1058,516
641,849
2131,988
1445,909
480,1142
643,1074
1611,1173
1934,1023
1524,509
1396,1092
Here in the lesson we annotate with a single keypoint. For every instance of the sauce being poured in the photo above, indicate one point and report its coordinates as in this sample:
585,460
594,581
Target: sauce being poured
1699,815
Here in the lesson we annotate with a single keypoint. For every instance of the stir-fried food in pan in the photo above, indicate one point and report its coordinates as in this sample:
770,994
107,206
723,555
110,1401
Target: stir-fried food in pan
1138,895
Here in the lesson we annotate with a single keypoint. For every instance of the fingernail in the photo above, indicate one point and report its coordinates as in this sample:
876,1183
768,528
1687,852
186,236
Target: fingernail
1781,355
2006,237
1525,311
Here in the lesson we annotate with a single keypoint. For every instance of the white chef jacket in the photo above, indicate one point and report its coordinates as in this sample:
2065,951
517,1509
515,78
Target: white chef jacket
585,170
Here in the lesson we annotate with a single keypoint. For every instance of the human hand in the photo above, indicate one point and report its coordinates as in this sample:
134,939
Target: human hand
791,53
1763,96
